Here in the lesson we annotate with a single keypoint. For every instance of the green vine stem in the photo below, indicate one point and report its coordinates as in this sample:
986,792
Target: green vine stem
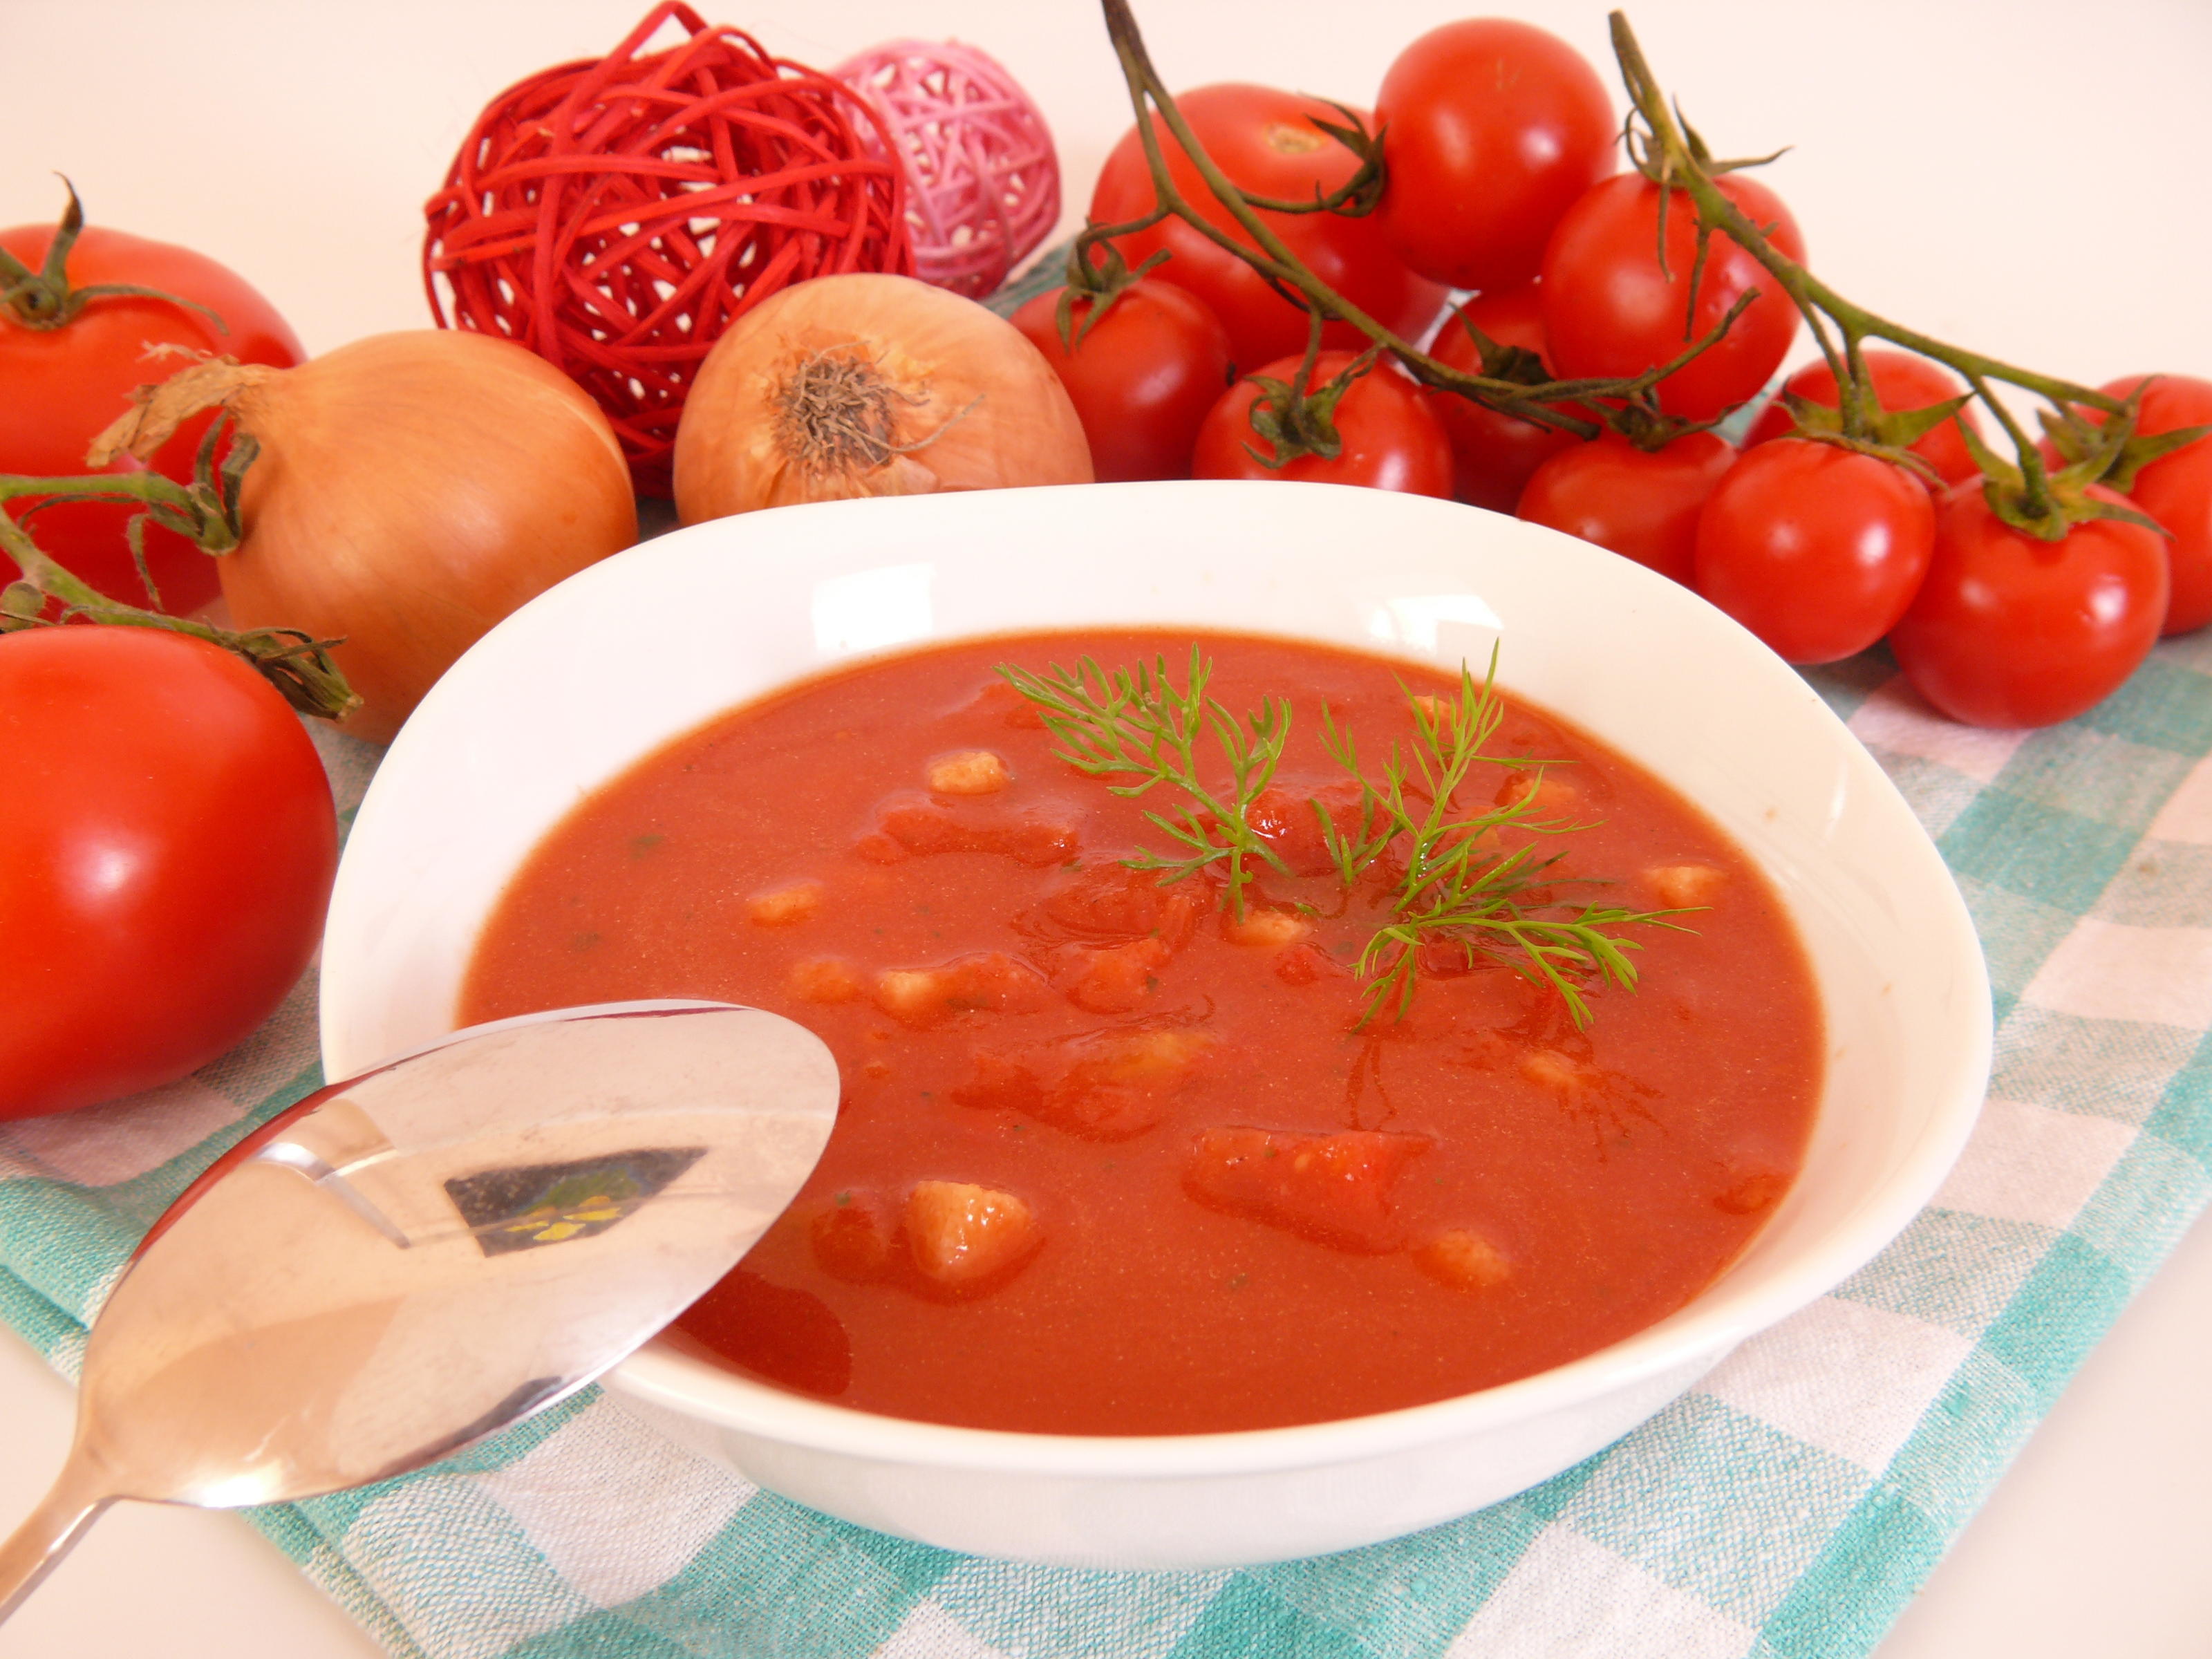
1295,417
1671,155
43,299
1636,412
181,507
296,663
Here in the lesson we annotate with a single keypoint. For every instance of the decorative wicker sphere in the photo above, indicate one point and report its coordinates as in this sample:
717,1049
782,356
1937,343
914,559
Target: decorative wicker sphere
983,179
615,216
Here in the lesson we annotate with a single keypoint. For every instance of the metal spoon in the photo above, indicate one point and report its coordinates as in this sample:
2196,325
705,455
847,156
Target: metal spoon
411,1261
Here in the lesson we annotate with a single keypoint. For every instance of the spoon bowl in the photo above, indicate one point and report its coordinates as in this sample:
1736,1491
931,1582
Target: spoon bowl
415,1258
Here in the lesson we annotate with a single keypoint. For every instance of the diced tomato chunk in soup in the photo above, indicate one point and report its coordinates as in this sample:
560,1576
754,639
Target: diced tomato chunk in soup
1111,1159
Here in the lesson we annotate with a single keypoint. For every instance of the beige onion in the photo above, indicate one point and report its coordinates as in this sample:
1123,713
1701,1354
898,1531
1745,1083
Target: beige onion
869,385
411,489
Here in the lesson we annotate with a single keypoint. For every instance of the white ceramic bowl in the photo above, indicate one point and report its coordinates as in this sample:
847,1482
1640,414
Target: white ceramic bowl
616,660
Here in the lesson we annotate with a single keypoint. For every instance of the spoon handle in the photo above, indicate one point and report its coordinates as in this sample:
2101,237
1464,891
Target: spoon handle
79,1494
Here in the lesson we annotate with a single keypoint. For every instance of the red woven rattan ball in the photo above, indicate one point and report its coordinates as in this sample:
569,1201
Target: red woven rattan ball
982,179
616,216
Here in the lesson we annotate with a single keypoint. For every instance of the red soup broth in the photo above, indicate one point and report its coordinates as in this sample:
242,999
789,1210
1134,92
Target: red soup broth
1108,1161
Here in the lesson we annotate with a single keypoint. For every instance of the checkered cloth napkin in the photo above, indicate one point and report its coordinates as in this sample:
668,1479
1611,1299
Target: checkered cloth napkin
1787,1507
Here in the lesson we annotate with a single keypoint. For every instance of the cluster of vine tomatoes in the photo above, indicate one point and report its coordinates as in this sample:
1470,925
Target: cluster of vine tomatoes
1503,158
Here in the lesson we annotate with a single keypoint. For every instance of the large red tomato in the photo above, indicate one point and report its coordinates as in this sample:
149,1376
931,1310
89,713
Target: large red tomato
1391,441
59,387
1901,381
1643,504
1142,378
2009,630
1816,549
1491,128
2175,489
1610,309
168,844
1265,141
1493,454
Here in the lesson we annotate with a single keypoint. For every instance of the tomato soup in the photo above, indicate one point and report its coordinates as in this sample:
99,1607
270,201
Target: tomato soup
1118,1155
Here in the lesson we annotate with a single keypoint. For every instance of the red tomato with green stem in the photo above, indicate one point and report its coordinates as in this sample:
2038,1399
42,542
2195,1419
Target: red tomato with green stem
1493,455
169,843
1491,130
61,386
2010,631
1142,377
1814,548
1391,440
1643,504
1266,142
2175,489
1610,309
1901,381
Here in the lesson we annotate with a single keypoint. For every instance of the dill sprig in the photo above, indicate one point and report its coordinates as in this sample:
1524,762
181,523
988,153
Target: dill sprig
1460,888
1134,723
1451,741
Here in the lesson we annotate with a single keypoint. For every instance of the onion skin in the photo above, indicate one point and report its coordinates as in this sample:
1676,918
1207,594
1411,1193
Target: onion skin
411,490
970,403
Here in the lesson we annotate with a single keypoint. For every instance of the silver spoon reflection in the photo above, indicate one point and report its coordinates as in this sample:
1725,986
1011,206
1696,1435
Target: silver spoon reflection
407,1261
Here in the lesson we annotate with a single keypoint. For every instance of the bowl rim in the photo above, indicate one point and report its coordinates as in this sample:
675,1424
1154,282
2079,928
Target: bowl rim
1695,1335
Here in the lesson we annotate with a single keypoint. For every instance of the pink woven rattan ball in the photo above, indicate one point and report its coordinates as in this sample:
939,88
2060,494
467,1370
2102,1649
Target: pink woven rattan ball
983,181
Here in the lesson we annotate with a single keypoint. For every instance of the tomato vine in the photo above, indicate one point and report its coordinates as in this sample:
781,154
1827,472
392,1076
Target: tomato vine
1512,381
2094,430
205,510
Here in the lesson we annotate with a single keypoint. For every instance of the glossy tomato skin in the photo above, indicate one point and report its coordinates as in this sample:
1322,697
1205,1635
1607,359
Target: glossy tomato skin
168,842
2175,489
1141,379
60,388
1491,128
1901,381
1493,455
1265,141
1643,504
2010,631
1609,309
1816,549
1391,441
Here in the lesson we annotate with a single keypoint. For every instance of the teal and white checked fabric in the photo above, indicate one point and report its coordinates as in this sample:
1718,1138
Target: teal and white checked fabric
1786,1509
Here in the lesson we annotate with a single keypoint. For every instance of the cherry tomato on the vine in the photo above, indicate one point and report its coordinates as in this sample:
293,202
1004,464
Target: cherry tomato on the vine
60,387
2175,489
1391,441
1816,549
1643,504
168,842
1265,141
1492,128
1610,309
2009,630
1901,381
1493,454
1142,378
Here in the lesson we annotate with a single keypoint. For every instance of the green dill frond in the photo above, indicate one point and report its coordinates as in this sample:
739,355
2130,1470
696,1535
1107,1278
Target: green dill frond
1460,887
1134,723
